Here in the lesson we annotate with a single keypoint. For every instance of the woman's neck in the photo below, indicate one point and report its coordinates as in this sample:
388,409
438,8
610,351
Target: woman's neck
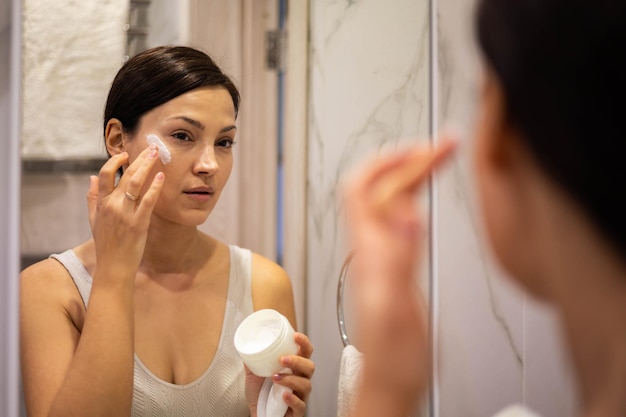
594,324
175,249
590,293
584,277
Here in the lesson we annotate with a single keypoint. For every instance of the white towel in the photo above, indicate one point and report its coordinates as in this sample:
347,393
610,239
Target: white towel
516,410
349,376
71,52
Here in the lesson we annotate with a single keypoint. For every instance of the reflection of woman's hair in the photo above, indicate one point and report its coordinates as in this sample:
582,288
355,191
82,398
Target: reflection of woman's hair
560,64
157,75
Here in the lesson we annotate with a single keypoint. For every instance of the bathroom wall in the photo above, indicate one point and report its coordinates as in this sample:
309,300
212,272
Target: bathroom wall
496,346
368,86
70,57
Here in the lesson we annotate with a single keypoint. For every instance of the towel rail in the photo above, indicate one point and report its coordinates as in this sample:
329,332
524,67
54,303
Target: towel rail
340,286
137,28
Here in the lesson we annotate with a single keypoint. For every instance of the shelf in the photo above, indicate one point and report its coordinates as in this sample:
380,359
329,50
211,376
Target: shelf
61,166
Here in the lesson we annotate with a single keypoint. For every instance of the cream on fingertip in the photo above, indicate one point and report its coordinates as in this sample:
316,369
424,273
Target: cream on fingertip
164,153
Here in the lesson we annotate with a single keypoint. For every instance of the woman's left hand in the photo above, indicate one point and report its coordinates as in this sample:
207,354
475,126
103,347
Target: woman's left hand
302,368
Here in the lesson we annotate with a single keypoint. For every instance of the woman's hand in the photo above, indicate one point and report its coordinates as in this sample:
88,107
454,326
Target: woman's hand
120,215
302,368
253,389
299,380
386,232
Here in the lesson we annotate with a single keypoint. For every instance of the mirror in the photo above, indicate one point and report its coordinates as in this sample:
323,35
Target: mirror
358,77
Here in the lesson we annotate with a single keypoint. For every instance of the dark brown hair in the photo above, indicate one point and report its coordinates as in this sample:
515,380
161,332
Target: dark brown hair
561,66
157,75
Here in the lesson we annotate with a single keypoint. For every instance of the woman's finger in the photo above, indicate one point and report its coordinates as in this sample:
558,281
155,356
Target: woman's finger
408,175
299,384
297,406
382,179
134,179
148,201
306,347
92,198
299,365
106,181
360,183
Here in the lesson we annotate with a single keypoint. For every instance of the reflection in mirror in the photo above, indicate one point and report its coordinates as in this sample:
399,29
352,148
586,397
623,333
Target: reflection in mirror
66,80
351,364
67,76
368,90
495,345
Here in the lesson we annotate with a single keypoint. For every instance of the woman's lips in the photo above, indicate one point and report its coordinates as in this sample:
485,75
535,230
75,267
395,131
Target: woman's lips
199,194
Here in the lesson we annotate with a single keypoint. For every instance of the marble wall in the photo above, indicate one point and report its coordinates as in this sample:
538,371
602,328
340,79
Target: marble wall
496,346
369,87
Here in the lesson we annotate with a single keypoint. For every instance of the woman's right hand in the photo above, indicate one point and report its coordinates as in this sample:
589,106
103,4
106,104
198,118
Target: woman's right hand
87,369
386,231
119,223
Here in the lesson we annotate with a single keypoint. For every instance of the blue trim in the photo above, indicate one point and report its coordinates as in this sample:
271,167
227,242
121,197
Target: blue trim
282,17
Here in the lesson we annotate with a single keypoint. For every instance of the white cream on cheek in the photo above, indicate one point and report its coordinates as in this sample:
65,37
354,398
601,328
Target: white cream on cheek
164,153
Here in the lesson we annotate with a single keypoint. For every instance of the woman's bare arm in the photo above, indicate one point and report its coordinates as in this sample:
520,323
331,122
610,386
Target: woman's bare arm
68,372
271,288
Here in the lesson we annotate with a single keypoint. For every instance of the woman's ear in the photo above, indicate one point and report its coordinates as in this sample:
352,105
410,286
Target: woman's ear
114,137
497,131
503,144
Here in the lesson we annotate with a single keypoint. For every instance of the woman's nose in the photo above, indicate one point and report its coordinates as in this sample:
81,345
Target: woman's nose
207,163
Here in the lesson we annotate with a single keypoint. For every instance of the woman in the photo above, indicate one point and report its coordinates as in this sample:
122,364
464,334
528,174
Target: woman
163,298
548,158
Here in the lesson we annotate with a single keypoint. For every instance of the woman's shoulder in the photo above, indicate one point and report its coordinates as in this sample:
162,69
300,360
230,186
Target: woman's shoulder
271,286
49,278
268,271
264,270
46,279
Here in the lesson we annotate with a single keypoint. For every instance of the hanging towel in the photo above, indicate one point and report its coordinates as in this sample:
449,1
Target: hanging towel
349,377
71,52
516,410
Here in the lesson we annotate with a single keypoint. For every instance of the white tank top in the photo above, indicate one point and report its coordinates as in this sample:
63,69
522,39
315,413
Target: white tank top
219,391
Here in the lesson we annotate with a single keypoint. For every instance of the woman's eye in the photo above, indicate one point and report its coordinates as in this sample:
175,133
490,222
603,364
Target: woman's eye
182,136
225,143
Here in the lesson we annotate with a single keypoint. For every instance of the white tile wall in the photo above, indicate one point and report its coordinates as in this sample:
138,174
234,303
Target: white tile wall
368,87
497,347
369,69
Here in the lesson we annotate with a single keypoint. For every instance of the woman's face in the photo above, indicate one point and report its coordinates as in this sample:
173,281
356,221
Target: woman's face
508,187
198,128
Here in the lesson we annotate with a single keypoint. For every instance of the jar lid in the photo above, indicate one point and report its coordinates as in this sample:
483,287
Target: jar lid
258,331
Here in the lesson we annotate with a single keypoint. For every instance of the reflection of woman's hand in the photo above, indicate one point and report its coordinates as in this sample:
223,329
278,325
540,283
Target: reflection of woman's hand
253,388
302,368
120,216
386,234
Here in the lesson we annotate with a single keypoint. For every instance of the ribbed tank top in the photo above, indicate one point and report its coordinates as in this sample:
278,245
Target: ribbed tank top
219,391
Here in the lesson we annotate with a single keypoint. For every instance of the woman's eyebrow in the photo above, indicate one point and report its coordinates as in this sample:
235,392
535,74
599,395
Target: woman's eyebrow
199,124
227,128
192,122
